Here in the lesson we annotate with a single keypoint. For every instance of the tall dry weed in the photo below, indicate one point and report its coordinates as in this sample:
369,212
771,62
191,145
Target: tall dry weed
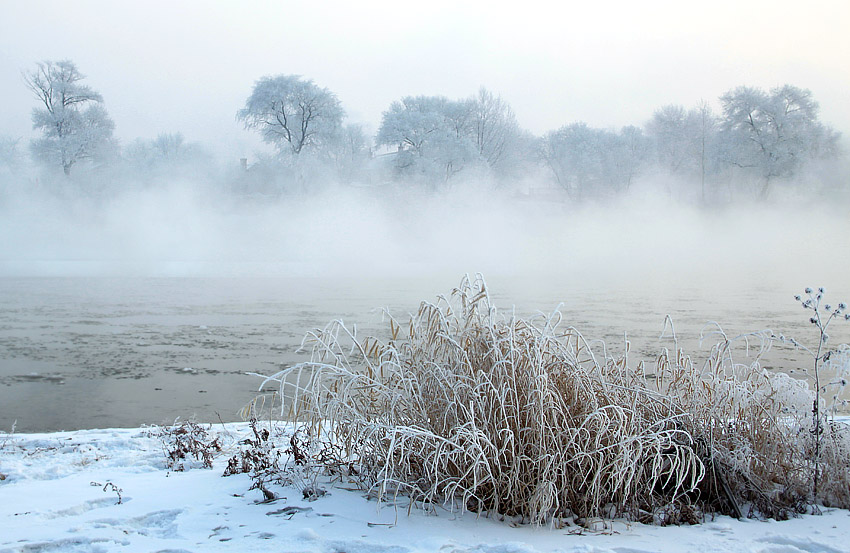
469,408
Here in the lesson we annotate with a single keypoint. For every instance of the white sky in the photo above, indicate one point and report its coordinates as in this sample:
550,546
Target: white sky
167,66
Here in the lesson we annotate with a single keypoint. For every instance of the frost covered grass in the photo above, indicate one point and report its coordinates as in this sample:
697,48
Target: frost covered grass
480,411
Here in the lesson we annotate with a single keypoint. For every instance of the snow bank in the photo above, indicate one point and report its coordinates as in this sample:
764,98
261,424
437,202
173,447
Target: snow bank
61,494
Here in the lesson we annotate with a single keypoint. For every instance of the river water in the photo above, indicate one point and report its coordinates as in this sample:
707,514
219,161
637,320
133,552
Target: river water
89,352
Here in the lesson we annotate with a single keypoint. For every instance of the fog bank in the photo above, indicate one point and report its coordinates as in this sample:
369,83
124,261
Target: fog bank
188,228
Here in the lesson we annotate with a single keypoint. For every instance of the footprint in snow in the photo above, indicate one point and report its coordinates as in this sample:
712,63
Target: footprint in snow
84,507
789,544
160,524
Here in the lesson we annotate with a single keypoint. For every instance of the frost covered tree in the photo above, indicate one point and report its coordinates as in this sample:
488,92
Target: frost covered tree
584,160
438,137
432,135
496,132
170,145
10,155
73,122
773,133
292,113
685,141
168,152
703,125
670,133
350,152
632,153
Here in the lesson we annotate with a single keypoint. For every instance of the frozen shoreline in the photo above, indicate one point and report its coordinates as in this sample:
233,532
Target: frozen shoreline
50,503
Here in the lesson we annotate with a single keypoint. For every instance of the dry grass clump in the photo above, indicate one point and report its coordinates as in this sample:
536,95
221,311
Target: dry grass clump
748,425
187,444
485,412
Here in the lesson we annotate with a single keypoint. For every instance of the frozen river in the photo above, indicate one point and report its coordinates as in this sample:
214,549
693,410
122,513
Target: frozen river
114,352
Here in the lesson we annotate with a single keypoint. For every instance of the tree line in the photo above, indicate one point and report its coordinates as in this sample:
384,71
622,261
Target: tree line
758,136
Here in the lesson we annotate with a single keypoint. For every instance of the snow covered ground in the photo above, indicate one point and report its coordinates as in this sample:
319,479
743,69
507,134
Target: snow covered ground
58,493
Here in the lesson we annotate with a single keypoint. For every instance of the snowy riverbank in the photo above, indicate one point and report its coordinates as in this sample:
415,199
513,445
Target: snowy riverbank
58,496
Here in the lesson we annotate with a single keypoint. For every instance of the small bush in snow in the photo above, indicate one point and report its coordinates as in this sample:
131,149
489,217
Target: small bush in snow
188,444
259,458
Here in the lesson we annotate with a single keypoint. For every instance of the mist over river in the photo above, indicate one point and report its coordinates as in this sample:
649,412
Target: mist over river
95,352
